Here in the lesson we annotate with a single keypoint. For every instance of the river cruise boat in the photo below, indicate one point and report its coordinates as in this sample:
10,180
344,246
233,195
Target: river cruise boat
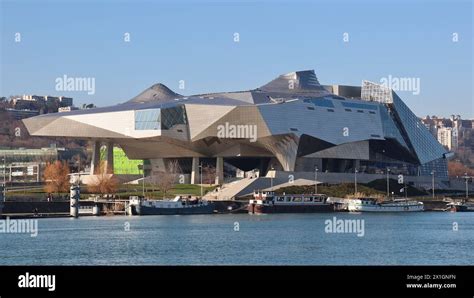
268,202
178,206
396,205
460,207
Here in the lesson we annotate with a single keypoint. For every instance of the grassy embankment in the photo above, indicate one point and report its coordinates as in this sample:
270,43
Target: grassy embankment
123,192
376,188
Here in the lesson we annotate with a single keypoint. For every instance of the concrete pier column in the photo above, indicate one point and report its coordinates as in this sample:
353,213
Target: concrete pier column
195,178
74,196
95,161
219,170
109,157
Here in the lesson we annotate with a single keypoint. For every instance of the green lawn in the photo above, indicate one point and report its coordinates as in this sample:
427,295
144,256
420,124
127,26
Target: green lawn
124,191
180,189
335,190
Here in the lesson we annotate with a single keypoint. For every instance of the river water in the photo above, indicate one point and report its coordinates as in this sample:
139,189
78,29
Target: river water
280,239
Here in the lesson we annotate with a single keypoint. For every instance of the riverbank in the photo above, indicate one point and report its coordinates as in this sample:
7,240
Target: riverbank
30,209
34,216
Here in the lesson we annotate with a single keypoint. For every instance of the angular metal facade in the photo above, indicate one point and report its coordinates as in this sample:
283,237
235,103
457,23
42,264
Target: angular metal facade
294,118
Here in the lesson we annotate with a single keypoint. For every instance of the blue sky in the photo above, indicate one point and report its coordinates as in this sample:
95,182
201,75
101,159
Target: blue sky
193,41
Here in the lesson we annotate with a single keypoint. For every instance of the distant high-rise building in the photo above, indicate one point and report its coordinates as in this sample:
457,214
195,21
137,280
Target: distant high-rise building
449,131
448,137
39,102
65,101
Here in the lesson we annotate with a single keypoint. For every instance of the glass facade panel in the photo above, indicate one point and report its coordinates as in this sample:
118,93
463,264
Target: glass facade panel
390,129
173,116
148,119
439,166
375,92
157,119
413,132
425,145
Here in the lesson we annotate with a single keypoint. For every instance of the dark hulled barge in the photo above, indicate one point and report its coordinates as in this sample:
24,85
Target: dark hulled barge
268,202
177,206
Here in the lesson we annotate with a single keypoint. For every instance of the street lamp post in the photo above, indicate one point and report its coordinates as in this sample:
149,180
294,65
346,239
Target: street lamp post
143,180
432,183
355,181
200,175
271,178
316,180
388,182
467,188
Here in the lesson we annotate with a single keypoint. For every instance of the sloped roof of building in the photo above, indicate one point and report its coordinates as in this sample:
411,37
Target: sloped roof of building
156,93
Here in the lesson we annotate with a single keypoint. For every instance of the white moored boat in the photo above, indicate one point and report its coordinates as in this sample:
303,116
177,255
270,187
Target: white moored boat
397,205
460,207
178,206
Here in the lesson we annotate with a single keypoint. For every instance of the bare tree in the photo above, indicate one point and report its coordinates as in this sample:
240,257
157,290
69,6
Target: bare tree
165,180
103,183
208,174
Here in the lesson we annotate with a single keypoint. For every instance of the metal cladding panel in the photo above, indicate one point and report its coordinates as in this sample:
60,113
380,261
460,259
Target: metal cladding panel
122,122
35,124
201,117
328,124
156,93
63,127
243,116
423,142
356,150
244,96
158,148
292,82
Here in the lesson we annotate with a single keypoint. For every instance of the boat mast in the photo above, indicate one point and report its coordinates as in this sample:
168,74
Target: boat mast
316,180
466,177
388,182
406,190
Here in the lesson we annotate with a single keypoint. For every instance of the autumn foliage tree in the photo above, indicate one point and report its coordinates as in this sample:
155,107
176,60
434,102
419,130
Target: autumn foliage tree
56,175
457,169
103,183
